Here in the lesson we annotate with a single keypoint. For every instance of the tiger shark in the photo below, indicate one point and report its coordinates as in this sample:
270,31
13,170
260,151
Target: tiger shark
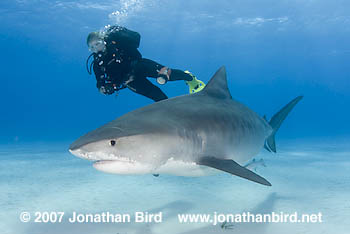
190,135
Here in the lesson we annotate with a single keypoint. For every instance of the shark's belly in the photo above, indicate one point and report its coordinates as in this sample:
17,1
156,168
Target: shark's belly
172,167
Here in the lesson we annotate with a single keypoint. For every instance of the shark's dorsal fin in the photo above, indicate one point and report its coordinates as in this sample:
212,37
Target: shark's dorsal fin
217,86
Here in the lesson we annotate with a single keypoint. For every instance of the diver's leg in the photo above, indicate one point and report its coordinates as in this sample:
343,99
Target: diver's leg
144,87
177,74
149,68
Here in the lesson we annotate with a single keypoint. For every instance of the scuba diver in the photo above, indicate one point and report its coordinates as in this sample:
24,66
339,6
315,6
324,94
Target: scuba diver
118,64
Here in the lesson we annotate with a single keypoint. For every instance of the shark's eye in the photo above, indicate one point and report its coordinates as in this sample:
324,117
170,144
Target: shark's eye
112,142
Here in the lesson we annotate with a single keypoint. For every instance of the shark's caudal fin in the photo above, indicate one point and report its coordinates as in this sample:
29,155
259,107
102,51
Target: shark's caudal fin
276,122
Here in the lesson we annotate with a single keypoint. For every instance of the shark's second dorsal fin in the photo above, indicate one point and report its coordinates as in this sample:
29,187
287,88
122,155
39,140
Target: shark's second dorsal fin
217,86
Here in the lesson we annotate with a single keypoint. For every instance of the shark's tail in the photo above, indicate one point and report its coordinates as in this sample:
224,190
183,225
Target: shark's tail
276,121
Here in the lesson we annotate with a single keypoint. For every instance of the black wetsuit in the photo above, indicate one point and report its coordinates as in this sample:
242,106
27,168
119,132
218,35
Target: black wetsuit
122,65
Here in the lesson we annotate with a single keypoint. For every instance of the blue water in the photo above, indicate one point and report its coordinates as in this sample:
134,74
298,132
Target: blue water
273,51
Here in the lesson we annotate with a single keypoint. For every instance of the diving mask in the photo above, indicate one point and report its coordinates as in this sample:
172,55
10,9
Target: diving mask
96,46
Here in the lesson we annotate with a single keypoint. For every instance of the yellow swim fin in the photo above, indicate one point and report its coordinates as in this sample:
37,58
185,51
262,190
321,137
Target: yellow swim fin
194,85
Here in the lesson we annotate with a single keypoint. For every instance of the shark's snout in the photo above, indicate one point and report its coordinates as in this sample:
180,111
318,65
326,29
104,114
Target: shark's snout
93,151
73,148
81,153
77,152
80,143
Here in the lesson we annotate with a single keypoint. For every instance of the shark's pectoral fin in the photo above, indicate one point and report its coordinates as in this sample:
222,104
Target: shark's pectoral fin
233,168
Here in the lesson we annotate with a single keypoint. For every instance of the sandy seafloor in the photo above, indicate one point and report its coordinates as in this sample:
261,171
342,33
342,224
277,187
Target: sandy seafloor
273,51
307,176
